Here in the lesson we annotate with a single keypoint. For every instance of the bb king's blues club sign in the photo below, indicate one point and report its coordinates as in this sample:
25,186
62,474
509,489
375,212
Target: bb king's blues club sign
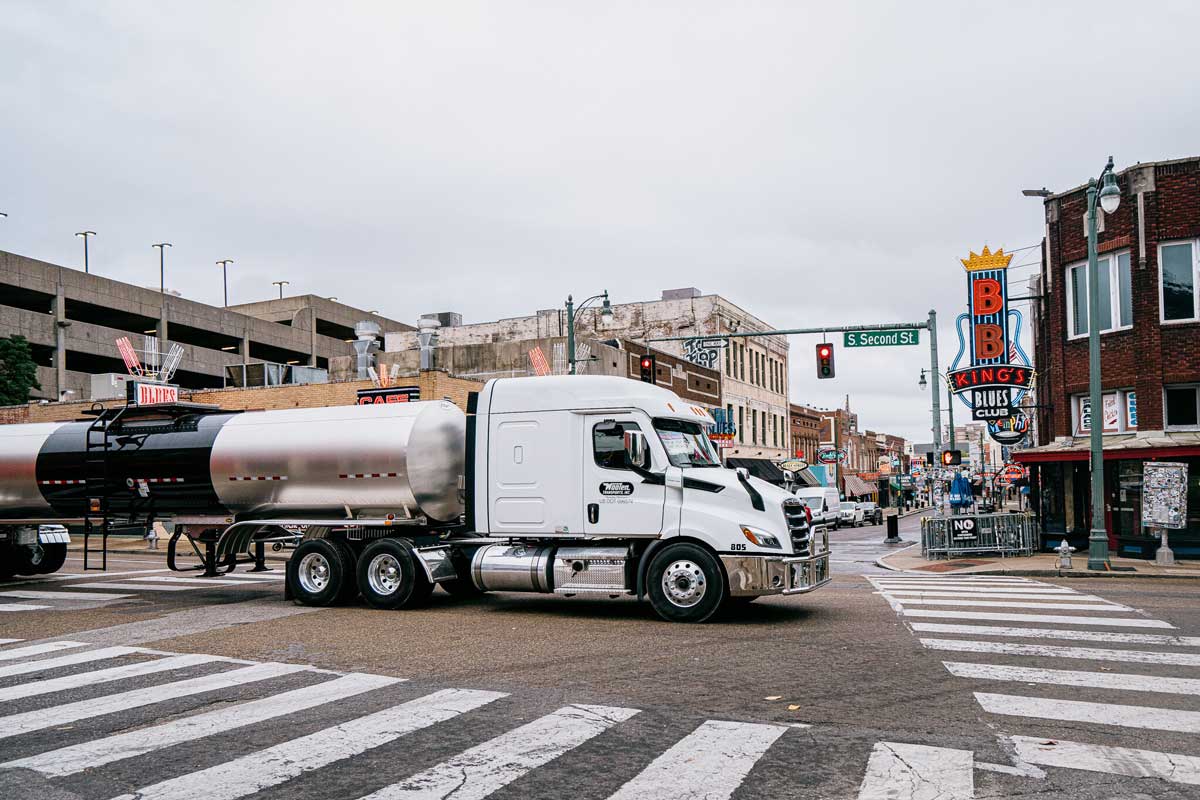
991,372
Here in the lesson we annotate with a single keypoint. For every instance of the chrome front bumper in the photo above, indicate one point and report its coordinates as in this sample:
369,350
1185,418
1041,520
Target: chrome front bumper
759,575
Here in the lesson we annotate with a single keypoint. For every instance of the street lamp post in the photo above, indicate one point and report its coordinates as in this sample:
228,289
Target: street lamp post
162,270
280,284
606,316
85,235
949,406
1109,194
224,265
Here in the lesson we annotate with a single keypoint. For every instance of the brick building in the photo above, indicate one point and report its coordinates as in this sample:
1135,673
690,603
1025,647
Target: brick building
805,425
1149,259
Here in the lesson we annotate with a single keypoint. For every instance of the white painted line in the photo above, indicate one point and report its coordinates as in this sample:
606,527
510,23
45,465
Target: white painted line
33,688
1054,619
1115,637
22,607
97,706
59,576
270,767
979,590
198,583
486,768
1066,677
10,641
958,582
94,753
274,575
1104,607
31,594
141,587
1024,771
1055,651
915,772
948,578
70,660
903,596
1172,767
36,649
1159,719
710,762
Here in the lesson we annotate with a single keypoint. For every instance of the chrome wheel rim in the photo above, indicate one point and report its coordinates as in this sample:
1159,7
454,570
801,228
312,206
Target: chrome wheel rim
684,584
313,573
36,555
384,575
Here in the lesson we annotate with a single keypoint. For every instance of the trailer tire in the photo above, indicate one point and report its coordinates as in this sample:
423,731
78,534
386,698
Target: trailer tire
54,556
685,583
39,559
318,572
389,576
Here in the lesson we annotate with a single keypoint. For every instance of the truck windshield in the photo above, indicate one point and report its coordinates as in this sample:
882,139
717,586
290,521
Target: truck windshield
687,444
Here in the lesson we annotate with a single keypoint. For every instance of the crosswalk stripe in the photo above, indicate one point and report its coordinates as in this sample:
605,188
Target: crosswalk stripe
916,772
1173,767
34,688
481,770
274,765
1055,619
22,607
1114,608
94,753
71,576
43,718
10,641
1115,637
196,583
1162,719
69,660
972,584
33,594
141,587
36,649
1056,651
274,575
980,590
710,762
1066,677
970,594
949,578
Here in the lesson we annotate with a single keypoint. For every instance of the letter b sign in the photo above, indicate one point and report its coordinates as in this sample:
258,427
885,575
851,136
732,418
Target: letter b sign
987,296
989,341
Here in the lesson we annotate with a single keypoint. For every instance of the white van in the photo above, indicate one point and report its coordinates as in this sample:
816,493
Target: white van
824,503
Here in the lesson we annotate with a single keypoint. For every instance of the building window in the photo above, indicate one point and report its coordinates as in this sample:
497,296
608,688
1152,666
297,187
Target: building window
728,371
1181,407
754,426
1178,269
1120,412
742,424
1116,301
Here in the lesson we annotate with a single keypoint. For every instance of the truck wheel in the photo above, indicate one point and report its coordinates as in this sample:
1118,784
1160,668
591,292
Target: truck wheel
319,571
685,583
390,577
27,559
54,555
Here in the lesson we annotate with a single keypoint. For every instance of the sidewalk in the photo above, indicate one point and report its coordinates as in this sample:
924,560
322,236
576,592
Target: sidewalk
909,560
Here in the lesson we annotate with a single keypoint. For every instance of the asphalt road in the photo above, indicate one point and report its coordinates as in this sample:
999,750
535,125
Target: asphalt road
828,695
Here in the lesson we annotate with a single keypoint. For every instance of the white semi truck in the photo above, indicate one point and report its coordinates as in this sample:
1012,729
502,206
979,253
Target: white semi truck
575,485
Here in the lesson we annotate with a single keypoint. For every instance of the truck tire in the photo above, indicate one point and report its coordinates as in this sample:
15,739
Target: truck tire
54,555
685,583
318,572
390,577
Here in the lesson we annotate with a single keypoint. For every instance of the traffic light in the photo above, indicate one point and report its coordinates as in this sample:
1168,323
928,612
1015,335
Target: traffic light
951,458
824,360
649,364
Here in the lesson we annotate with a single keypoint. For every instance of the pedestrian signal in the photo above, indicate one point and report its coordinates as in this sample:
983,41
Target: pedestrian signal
951,458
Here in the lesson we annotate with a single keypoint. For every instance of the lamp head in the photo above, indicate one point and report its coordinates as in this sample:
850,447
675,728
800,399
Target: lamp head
606,312
1110,192
922,383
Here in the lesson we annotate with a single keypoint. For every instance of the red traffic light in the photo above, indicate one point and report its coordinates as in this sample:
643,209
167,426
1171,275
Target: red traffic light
646,363
824,352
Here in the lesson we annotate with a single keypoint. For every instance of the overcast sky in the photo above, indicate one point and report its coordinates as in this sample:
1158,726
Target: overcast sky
816,163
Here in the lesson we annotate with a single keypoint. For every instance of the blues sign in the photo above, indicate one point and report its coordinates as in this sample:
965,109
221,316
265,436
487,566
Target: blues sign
991,372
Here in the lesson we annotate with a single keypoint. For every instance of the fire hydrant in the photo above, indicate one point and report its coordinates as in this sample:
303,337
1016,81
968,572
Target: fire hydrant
1064,555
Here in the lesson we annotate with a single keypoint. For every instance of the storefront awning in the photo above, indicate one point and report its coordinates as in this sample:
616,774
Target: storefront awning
857,487
1148,444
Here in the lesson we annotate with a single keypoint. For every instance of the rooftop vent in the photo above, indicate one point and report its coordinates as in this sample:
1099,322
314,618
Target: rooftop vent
680,294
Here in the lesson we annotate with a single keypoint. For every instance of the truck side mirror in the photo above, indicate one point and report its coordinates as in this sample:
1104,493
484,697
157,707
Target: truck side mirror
635,448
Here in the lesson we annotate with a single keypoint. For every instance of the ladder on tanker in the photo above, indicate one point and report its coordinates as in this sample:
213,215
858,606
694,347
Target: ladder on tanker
95,473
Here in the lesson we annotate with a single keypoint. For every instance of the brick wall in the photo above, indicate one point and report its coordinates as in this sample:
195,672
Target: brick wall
1149,354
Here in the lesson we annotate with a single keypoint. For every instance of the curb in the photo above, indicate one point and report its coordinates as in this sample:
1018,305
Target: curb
881,562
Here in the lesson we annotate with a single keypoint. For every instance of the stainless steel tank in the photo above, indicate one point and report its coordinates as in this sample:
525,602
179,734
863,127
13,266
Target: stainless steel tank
373,460
19,448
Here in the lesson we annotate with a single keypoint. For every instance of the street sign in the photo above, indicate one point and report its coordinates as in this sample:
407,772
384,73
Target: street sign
830,455
891,338
962,528
794,464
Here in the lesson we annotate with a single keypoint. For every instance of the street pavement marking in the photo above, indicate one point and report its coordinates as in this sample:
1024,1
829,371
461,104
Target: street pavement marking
1161,719
486,768
274,765
270,575
31,594
970,594
710,762
1116,637
197,583
10,641
33,688
973,584
1055,619
22,607
916,772
94,753
1067,677
66,661
70,576
952,578
141,587
1056,651
1128,761
36,649
43,718
976,589
1104,606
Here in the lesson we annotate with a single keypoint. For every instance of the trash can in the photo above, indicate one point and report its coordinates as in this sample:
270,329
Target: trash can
893,529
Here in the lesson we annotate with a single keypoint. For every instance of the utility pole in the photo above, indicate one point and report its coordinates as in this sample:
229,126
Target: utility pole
937,392
85,235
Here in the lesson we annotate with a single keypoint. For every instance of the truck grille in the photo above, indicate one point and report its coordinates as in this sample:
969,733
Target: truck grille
797,522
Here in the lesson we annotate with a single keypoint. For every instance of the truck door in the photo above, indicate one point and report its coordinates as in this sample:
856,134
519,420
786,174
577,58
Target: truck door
617,500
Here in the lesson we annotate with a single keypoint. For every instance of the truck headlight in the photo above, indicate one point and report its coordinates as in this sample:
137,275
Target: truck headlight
760,538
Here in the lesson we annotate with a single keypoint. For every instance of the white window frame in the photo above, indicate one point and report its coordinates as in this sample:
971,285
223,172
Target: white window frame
1123,426
1162,306
1195,387
1114,298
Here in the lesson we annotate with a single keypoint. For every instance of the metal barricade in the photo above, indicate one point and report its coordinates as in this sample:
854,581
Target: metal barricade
968,534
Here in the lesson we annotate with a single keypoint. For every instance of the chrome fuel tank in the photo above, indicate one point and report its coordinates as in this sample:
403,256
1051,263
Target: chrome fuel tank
19,448
374,460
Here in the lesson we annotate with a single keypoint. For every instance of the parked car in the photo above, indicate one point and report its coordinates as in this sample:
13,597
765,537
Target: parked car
823,502
850,513
872,513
